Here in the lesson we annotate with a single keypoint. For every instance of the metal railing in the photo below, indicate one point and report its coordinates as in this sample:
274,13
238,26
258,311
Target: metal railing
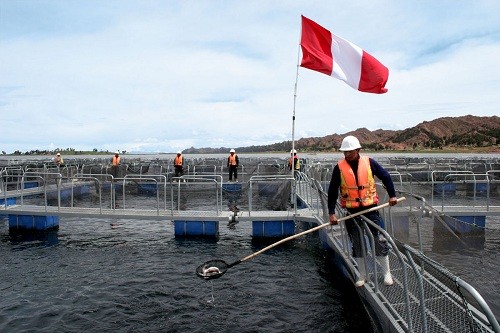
308,189
99,187
419,281
187,181
277,179
157,180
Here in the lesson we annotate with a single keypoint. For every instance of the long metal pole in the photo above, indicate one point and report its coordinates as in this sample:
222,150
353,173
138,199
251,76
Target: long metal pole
292,156
294,104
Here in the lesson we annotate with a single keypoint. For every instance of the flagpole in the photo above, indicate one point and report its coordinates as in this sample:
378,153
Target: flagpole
294,187
294,104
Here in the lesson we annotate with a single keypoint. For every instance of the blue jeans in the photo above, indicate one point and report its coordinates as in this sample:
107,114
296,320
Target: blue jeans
382,247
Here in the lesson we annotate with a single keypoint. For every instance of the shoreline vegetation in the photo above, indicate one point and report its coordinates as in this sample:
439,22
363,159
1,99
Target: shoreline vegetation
444,150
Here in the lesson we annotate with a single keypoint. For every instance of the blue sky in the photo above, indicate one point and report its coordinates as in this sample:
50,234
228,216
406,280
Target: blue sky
162,76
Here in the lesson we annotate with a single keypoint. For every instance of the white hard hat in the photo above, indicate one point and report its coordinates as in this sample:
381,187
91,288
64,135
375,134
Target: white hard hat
58,154
117,152
179,152
350,143
293,151
232,151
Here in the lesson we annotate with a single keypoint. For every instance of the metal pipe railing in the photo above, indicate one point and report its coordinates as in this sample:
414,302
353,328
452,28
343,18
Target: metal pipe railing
141,178
189,180
276,178
421,292
81,176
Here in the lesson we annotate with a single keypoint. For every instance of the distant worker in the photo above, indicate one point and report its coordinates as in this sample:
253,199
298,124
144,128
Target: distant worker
59,160
354,177
232,164
293,161
179,165
115,164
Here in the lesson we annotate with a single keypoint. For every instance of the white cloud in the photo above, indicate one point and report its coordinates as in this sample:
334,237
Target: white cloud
163,76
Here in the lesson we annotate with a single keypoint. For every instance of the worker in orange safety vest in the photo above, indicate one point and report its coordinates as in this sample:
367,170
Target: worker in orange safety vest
179,164
232,164
115,164
353,184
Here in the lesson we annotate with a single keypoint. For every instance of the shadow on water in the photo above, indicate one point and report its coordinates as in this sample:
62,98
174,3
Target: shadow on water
32,238
194,241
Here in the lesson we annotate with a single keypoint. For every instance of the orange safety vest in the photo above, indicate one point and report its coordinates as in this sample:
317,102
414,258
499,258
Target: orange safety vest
364,191
116,160
232,159
178,161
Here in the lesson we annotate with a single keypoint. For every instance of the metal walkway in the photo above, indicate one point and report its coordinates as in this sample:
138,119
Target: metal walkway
152,214
425,297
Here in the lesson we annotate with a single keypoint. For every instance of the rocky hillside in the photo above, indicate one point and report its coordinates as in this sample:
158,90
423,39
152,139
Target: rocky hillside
450,133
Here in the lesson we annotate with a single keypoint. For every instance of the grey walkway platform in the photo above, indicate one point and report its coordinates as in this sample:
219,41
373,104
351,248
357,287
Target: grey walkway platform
153,214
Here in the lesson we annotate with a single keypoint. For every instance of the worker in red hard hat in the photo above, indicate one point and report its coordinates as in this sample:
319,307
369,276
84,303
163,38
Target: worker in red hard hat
293,161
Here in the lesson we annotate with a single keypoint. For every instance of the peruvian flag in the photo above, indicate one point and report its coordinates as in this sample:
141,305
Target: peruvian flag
324,52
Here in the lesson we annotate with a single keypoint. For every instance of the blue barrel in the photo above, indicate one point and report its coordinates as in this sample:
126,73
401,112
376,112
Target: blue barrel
231,187
30,184
465,224
196,228
10,201
272,229
33,222
448,188
480,188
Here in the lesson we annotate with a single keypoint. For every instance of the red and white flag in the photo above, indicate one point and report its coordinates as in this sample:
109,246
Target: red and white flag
324,52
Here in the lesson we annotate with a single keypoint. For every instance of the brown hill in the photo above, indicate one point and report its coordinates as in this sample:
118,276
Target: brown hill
450,133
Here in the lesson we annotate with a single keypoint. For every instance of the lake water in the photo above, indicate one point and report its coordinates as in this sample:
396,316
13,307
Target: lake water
137,277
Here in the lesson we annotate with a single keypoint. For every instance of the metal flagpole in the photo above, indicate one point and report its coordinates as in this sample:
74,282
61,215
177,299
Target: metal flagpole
292,159
294,103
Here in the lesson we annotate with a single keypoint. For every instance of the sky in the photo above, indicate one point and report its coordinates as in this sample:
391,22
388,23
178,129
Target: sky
150,76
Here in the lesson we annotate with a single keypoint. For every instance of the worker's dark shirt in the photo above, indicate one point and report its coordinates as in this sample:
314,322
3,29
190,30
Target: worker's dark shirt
377,170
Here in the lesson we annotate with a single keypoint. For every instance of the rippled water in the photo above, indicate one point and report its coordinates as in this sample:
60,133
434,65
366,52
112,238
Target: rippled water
137,277
474,257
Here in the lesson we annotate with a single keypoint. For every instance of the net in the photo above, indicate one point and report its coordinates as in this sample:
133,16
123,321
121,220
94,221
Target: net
212,269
